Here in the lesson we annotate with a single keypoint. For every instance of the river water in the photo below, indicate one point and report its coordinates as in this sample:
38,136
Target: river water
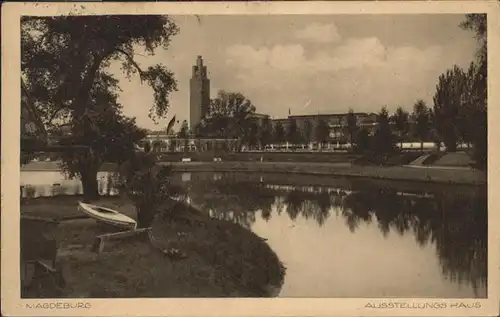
344,238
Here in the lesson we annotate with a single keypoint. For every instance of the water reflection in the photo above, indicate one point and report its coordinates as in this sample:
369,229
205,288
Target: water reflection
455,225
237,202
54,183
353,233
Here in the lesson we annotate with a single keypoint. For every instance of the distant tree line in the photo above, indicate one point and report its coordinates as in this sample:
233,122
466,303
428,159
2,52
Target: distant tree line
459,113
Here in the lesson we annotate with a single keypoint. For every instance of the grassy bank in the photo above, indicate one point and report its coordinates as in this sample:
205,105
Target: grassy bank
399,173
339,165
222,259
346,183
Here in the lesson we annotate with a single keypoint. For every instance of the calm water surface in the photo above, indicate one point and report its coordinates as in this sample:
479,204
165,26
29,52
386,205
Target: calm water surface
348,239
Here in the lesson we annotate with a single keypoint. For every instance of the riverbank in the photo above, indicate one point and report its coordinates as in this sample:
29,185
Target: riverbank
425,174
438,175
222,259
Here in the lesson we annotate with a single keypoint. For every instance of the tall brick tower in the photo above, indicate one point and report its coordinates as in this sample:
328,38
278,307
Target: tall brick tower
199,93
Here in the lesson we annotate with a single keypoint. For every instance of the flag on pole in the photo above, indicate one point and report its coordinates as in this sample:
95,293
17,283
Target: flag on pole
289,111
170,125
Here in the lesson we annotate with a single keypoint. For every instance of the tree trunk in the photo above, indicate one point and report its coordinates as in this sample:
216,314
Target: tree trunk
144,217
89,183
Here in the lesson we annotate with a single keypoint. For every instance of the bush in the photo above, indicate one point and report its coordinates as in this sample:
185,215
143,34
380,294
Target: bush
362,141
480,148
148,185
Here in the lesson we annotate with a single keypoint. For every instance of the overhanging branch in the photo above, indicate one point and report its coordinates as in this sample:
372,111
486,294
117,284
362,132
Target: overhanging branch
133,62
84,91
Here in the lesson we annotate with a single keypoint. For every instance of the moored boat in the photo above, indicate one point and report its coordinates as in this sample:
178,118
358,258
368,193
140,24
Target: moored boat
108,216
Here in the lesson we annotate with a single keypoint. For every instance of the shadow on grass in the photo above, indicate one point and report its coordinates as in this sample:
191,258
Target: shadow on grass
223,259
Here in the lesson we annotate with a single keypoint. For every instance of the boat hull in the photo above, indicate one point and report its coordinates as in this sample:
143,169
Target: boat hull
109,217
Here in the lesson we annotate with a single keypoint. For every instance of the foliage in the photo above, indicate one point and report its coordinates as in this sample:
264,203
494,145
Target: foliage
478,24
322,131
266,133
184,131
422,121
478,92
33,132
460,101
480,139
252,137
362,141
449,99
199,130
230,116
352,125
307,132
112,139
401,123
434,135
63,58
279,133
292,133
465,126
65,64
148,185
383,140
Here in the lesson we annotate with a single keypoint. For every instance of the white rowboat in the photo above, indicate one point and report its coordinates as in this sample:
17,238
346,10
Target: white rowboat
108,216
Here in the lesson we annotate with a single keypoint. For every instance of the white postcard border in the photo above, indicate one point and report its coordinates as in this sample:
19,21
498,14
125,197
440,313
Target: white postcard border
13,305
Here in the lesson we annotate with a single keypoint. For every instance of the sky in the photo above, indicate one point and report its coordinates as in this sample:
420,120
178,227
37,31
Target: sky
307,64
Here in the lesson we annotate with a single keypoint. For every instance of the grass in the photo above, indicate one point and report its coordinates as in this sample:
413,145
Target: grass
396,173
432,158
397,159
359,167
460,159
223,259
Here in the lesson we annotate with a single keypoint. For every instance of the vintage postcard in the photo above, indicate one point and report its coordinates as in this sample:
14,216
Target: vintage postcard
250,159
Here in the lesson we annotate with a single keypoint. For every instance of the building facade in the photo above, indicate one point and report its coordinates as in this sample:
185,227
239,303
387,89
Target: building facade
199,93
337,123
159,142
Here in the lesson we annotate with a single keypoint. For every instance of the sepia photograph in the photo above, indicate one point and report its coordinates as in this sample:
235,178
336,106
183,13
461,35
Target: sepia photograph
169,154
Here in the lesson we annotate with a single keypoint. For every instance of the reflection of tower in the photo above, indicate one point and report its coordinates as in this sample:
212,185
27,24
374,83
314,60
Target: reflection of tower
199,93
